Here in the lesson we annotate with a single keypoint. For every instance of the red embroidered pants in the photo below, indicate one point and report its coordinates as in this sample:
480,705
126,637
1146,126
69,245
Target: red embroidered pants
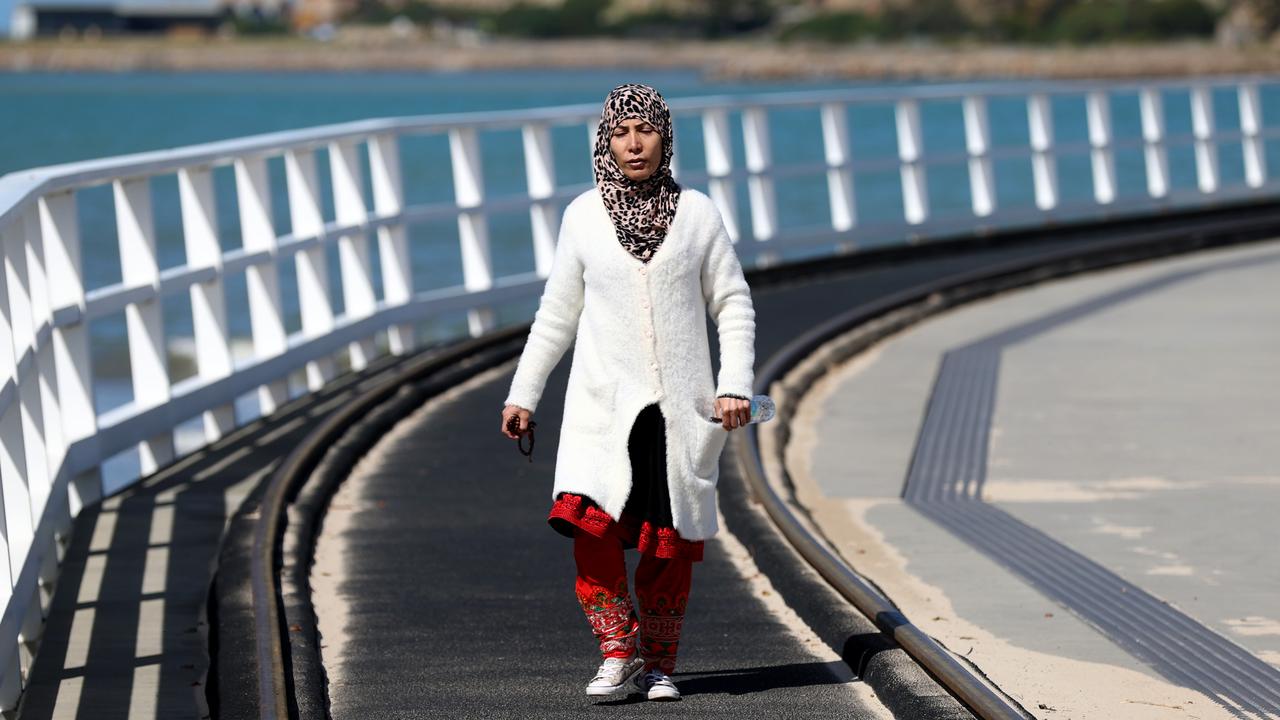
662,589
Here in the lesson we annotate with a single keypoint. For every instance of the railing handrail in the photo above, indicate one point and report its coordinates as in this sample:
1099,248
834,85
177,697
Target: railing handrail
18,186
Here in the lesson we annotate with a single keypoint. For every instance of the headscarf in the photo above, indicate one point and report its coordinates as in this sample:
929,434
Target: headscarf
641,211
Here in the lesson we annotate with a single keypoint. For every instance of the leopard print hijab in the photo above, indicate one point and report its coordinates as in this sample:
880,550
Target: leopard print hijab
641,211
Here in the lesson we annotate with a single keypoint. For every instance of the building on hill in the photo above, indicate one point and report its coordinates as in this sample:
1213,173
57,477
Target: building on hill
309,14
45,18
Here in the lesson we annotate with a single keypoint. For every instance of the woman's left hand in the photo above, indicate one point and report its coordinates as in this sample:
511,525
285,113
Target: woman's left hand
733,412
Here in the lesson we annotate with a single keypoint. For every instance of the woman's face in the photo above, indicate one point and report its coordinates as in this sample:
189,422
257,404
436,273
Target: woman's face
637,148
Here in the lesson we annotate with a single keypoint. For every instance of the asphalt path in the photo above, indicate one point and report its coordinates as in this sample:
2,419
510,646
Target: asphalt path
457,597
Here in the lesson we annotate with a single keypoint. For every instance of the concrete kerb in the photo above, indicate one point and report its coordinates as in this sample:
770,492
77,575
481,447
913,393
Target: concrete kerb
901,684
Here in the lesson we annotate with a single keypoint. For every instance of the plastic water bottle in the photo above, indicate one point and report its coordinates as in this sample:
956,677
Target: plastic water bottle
761,410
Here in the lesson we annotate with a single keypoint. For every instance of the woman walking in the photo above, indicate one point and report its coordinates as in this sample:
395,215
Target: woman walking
638,264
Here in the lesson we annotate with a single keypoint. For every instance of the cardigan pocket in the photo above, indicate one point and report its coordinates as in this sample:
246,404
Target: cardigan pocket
708,441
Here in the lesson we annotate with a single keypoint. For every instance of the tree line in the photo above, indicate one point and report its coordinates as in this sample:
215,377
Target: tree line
1017,21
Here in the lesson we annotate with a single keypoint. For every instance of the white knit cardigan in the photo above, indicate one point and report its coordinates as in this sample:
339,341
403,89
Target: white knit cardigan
640,336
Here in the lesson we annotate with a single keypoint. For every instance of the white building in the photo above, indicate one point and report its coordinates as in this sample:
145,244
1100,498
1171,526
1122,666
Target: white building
33,18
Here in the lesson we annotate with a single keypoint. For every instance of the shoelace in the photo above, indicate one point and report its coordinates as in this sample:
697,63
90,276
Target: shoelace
610,666
657,677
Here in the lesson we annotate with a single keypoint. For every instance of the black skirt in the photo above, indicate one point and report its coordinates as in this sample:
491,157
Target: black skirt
649,499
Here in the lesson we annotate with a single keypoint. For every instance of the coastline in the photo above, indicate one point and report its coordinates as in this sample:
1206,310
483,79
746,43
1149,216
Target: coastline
362,49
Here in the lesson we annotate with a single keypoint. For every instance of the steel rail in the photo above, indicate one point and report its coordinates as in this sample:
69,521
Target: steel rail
275,683
921,301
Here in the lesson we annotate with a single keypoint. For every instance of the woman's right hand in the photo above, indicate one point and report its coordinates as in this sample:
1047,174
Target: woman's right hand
515,421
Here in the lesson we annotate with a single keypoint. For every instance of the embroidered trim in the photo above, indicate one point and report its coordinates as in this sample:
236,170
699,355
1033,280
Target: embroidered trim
579,511
612,617
665,543
661,621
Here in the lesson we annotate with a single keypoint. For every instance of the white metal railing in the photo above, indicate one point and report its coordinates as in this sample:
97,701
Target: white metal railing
52,440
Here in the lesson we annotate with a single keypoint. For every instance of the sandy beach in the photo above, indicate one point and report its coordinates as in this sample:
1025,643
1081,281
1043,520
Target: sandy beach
373,49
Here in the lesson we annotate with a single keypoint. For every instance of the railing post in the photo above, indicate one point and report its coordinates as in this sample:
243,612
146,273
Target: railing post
208,299
253,196
1255,158
675,155
48,427
22,461
150,372
39,230
835,146
1202,128
915,192
473,227
1044,169
1101,157
353,249
1157,160
393,246
715,131
540,174
17,249
593,126
42,316
977,142
72,365
759,157
16,498
312,263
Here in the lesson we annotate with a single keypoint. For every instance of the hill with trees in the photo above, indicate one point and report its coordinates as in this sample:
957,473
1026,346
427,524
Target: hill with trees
845,21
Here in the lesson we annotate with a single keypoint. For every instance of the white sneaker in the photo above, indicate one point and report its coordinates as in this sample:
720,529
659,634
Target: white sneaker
657,685
613,674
